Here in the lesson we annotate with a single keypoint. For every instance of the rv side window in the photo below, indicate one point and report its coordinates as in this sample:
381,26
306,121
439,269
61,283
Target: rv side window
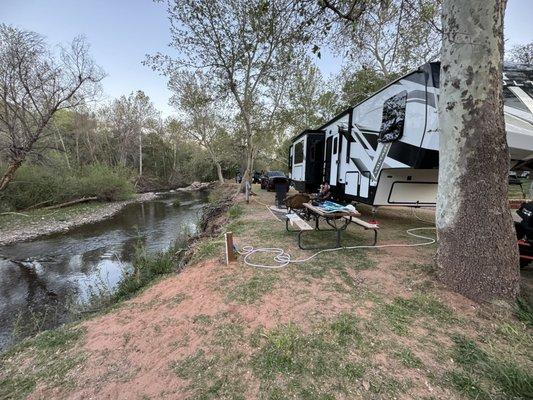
393,118
335,146
298,153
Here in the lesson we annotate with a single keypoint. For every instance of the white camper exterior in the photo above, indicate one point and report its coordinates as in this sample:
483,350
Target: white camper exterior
306,160
384,150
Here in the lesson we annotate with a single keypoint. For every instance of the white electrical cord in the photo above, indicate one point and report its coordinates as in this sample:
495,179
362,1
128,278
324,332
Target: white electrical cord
282,259
421,219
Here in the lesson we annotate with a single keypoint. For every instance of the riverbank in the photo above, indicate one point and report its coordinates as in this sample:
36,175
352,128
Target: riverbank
24,226
349,324
18,227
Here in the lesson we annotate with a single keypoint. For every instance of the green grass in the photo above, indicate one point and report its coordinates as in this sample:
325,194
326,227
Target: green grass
482,371
330,359
146,269
408,358
38,216
207,249
51,361
517,192
343,264
235,211
524,312
211,377
325,362
249,290
465,384
202,324
401,313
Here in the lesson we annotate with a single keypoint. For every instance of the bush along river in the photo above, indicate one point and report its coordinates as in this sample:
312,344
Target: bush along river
53,279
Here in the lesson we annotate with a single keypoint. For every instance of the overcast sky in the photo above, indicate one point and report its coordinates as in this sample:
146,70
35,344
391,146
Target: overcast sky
122,32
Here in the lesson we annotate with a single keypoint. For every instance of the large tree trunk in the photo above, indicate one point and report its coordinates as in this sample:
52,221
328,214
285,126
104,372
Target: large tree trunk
247,176
10,173
140,155
219,172
477,254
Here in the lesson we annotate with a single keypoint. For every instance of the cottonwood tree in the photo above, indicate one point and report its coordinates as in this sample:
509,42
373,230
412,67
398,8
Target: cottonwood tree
310,99
129,118
202,122
35,84
360,84
477,253
243,45
521,53
387,36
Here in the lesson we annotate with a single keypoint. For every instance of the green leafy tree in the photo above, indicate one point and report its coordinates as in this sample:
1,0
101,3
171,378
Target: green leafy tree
358,85
202,120
244,46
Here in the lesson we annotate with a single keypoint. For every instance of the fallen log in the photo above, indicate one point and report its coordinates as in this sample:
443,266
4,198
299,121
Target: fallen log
37,205
69,203
14,213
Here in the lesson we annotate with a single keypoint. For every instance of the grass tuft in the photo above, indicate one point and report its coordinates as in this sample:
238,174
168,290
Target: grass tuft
251,290
401,312
480,370
206,249
235,211
51,361
146,268
524,311
408,358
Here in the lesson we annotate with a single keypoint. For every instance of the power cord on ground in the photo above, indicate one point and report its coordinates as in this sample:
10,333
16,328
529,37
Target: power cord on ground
282,259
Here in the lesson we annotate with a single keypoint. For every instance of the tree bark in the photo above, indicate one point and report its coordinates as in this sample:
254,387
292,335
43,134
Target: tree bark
10,173
247,175
477,254
219,172
140,155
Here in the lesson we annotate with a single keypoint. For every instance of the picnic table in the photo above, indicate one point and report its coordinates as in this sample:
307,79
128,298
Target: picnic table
337,221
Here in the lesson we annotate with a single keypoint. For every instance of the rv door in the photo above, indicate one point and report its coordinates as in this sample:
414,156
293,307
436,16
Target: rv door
298,160
334,159
327,159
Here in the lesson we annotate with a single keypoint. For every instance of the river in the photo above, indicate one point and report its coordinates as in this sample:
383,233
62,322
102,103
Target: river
45,282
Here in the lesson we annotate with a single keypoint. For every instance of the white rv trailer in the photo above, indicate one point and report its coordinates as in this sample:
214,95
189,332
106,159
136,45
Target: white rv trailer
384,150
306,160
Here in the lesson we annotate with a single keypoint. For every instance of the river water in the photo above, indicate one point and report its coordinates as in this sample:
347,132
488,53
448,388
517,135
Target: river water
43,281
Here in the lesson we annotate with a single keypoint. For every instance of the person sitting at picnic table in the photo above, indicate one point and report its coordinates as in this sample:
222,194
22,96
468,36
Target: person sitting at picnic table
324,192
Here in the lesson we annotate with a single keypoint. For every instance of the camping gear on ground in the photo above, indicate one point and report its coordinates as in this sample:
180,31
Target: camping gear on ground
281,187
524,233
296,201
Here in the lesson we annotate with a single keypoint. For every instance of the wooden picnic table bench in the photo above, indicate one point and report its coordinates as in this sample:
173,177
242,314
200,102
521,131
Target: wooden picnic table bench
338,221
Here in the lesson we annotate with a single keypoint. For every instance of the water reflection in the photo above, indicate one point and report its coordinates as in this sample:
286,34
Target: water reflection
45,276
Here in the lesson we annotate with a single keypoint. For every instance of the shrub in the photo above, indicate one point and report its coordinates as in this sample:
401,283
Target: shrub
106,183
145,269
36,185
